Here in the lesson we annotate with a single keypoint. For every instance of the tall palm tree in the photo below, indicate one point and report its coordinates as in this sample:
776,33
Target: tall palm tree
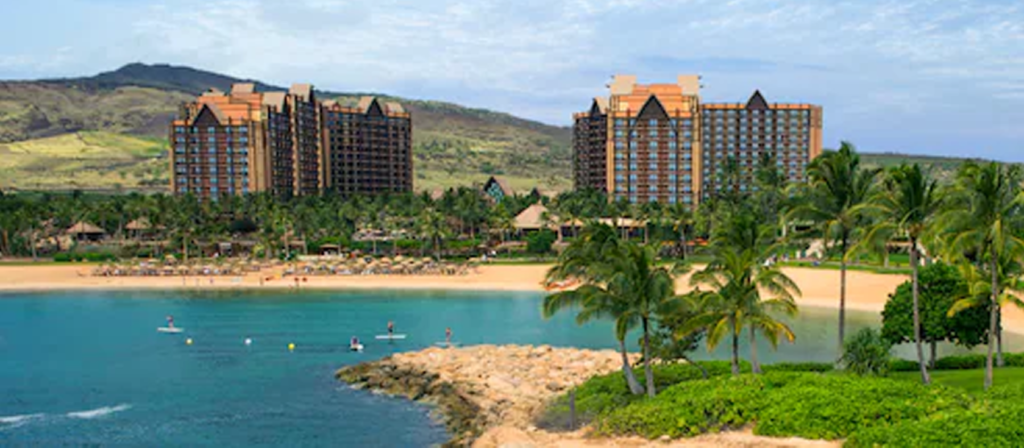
433,228
908,205
738,276
985,218
638,289
835,204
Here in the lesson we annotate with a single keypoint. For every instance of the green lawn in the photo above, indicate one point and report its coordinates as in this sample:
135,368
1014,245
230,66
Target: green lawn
972,380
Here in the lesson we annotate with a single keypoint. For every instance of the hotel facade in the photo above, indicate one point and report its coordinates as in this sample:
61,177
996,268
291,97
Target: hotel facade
658,142
288,144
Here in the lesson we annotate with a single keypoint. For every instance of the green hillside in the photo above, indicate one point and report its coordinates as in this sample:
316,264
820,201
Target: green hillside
39,120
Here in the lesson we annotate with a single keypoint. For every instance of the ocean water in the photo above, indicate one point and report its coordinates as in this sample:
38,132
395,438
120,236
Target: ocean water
89,367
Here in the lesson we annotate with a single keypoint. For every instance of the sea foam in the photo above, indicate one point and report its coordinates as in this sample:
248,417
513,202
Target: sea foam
14,421
99,412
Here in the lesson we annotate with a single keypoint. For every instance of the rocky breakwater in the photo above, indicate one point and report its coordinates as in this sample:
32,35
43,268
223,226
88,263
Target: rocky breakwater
482,387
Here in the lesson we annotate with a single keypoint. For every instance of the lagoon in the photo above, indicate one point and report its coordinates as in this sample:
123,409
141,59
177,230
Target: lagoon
89,367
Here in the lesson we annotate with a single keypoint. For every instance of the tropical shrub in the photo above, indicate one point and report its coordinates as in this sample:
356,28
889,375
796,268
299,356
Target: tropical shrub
988,426
540,242
693,407
807,405
835,406
866,353
604,393
903,365
941,285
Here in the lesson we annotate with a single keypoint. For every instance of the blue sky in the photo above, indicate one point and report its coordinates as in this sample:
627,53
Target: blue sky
928,77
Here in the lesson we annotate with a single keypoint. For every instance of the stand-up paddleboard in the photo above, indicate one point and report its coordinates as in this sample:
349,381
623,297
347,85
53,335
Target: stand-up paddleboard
391,336
355,348
170,329
446,344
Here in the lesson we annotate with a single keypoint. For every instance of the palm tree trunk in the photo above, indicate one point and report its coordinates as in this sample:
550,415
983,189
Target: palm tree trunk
992,321
917,313
735,349
627,371
931,360
842,302
648,372
999,338
755,365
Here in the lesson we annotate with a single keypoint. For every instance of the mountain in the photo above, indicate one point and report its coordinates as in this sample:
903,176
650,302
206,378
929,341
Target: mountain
57,133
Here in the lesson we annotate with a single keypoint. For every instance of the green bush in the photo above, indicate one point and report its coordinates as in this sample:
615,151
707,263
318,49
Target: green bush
835,406
540,242
807,405
866,353
960,362
604,393
694,407
988,426
62,257
903,365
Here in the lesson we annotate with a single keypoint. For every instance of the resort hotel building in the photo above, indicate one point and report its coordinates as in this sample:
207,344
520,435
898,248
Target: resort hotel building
289,144
658,142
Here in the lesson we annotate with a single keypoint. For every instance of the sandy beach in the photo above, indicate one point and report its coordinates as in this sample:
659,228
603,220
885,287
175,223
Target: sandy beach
819,287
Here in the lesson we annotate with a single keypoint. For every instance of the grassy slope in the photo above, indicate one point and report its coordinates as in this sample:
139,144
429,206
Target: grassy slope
87,160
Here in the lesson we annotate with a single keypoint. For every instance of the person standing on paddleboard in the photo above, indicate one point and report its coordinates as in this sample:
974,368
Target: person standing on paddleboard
391,328
448,336
170,321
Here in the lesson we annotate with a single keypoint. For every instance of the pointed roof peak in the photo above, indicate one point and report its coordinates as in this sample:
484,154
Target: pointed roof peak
757,102
652,109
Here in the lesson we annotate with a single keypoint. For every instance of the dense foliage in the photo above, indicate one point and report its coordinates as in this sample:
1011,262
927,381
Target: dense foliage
941,286
808,405
866,353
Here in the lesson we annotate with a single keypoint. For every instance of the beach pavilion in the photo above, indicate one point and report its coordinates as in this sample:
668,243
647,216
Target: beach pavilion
84,231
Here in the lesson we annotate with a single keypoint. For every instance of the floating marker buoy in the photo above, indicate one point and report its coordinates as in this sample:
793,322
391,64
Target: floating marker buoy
248,341
188,341
291,346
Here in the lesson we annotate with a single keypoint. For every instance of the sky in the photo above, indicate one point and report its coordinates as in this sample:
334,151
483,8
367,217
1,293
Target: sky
924,77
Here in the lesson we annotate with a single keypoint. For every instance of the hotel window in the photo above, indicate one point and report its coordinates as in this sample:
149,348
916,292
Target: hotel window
672,145
619,155
632,145
653,198
620,122
672,166
632,188
632,177
652,122
632,198
671,199
652,166
180,139
620,166
632,166
619,133
672,178
619,178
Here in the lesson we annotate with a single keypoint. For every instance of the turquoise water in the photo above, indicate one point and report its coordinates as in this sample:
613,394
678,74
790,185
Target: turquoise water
89,367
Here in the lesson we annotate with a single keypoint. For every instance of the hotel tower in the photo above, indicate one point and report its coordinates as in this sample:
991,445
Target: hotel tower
658,142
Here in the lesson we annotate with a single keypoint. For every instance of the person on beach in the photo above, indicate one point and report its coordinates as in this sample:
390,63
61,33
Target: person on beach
391,328
448,336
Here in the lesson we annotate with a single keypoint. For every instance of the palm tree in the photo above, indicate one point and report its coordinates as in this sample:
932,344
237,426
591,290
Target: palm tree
433,228
907,206
631,287
585,260
984,218
837,194
737,276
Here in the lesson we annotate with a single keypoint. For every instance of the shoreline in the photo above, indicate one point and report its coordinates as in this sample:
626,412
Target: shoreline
866,291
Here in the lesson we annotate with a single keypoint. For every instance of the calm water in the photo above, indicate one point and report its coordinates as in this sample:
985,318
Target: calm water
89,367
